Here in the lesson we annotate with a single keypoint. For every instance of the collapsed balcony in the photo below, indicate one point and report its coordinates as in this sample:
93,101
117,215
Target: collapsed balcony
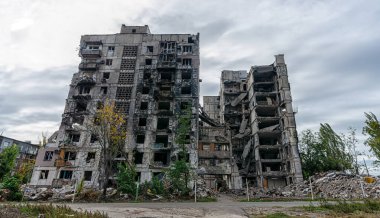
270,155
265,101
88,66
264,87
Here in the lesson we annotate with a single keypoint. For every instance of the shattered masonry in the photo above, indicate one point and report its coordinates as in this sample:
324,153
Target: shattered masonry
151,77
246,134
249,130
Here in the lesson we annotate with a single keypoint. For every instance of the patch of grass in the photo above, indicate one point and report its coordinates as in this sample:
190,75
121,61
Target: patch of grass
345,207
278,215
33,210
207,199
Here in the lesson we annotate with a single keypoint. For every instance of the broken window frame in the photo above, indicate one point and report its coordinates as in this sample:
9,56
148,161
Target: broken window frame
70,156
66,174
87,176
44,174
108,62
90,156
48,155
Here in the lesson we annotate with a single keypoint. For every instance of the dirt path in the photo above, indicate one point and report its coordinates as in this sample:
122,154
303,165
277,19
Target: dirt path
225,208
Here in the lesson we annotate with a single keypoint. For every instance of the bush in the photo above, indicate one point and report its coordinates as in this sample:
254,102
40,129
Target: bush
13,185
125,179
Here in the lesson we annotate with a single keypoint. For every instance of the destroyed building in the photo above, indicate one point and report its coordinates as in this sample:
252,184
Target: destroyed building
253,114
151,78
27,151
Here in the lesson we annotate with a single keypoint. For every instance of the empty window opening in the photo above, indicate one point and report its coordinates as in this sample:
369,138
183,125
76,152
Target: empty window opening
48,155
186,62
81,106
140,139
133,30
269,153
268,167
90,156
163,123
74,137
149,48
268,124
142,121
148,61
147,75
94,138
162,157
164,105
84,90
87,175
190,40
268,141
69,155
66,174
187,48
111,48
186,75
93,47
44,174
166,75
186,90
162,139
78,119
244,87
185,105
138,157
108,62
144,105
103,90
145,90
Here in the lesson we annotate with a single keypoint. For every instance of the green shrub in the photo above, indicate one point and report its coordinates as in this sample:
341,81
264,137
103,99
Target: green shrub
126,179
13,185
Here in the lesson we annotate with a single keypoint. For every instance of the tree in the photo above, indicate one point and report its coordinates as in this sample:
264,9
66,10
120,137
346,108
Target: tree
109,129
351,142
183,131
8,160
126,179
324,150
372,129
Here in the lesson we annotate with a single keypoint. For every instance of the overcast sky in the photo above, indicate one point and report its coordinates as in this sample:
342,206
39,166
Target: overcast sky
332,49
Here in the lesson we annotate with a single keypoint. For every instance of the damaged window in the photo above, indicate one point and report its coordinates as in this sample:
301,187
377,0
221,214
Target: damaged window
163,123
186,75
144,105
84,90
145,90
185,105
74,137
187,48
44,174
108,62
142,121
106,75
161,157
148,61
166,75
138,157
186,90
69,155
149,49
163,105
66,174
94,138
103,90
90,156
81,106
140,139
87,175
162,140
48,155
186,62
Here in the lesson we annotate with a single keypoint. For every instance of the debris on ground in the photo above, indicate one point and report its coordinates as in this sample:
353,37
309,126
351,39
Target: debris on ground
337,185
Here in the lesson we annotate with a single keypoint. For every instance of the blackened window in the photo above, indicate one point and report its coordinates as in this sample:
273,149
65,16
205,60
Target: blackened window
48,155
87,175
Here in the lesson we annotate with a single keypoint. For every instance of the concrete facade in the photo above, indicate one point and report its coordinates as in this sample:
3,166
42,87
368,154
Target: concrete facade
151,78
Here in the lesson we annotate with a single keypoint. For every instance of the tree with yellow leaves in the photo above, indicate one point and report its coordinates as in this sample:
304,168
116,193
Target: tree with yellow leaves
109,129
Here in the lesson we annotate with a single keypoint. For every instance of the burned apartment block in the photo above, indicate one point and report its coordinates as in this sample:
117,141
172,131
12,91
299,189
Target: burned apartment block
152,78
255,116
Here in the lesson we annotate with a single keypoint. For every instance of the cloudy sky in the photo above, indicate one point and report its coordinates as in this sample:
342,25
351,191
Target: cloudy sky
332,49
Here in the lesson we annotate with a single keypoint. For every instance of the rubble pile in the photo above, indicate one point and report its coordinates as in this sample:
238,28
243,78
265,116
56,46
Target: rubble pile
203,191
334,185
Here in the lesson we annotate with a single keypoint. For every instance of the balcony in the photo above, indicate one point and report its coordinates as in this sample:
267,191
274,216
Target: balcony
159,146
91,66
214,154
165,64
84,97
90,53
